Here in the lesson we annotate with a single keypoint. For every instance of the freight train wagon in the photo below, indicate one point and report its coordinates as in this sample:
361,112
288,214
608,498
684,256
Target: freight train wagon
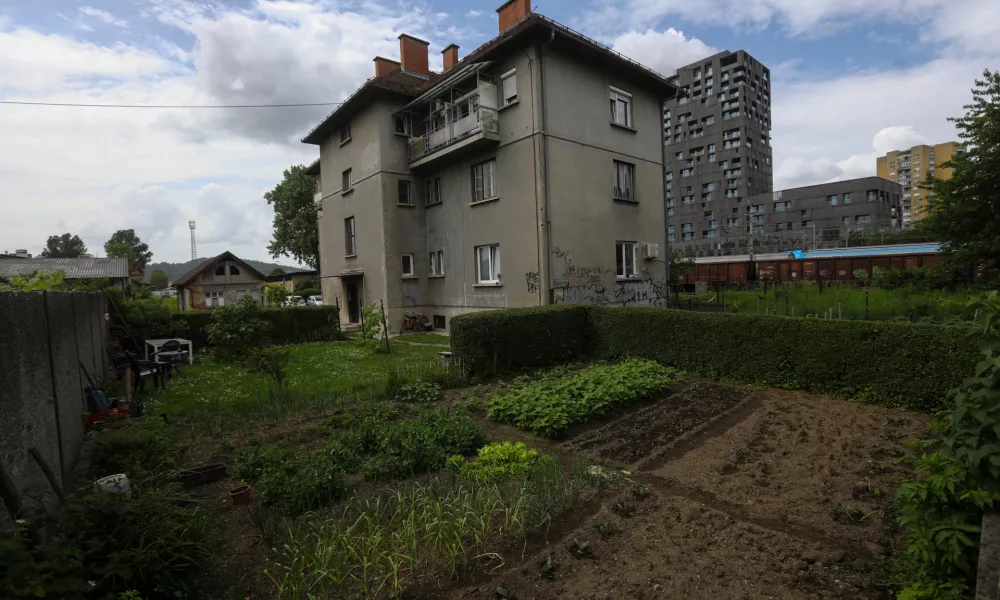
834,265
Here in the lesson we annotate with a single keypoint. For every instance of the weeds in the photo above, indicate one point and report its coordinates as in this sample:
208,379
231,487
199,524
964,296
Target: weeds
605,528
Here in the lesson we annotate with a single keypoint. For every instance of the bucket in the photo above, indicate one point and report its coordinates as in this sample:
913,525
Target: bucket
114,484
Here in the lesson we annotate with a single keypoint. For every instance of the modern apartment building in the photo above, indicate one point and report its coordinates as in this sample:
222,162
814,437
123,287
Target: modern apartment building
824,215
529,172
910,168
717,136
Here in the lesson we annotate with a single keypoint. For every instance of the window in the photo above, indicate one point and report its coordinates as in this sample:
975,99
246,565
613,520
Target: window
871,195
213,299
346,181
846,220
349,241
432,191
404,196
621,107
847,197
345,133
687,172
488,264
782,206
687,231
402,125
832,199
679,155
220,270
407,265
436,260
233,270
671,236
484,181
624,181
439,322
732,222
807,223
625,258
863,219
508,86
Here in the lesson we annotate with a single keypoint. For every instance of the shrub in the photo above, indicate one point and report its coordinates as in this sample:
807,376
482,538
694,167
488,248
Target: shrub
238,329
371,319
291,325
557,400
150,318
496,341
419,392
912,365
291,481
274,294
271,362
137,449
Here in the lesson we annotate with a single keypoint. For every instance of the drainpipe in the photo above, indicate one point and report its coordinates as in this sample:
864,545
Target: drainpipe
546,278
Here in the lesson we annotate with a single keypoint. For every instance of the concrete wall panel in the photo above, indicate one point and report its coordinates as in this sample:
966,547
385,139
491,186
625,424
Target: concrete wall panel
67,380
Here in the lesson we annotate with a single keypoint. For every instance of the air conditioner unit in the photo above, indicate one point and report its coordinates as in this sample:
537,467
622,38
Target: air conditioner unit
650,251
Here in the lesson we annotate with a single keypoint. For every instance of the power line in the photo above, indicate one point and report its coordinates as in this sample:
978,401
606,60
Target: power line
82,105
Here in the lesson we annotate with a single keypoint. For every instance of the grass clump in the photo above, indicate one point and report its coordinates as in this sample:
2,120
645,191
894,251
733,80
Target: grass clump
553,402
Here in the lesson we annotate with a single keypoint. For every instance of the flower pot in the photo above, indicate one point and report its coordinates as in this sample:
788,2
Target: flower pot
202,475
241,495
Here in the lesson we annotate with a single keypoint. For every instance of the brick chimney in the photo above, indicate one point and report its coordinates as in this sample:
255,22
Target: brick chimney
512,11
413,53
384,66
450,56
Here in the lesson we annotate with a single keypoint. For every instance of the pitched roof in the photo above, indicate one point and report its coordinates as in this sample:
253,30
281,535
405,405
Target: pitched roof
227,255
413,85
74,268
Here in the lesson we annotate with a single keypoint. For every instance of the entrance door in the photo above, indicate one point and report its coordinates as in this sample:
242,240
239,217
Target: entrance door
353,301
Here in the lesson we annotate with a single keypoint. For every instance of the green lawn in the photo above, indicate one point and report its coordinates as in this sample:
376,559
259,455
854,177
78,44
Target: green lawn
424,338
323,366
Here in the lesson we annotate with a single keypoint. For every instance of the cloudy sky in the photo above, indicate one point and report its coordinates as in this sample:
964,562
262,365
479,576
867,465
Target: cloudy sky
852,79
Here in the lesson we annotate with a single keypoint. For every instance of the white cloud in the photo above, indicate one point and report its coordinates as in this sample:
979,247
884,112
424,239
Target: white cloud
830,130
474,13
102,15
663,51
91,170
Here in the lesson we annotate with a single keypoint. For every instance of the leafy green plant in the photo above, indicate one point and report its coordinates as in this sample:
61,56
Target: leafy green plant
640,492
547,566
292,481
236,330
581,548
605,528
154,318
496,462
137,449
272,362
557,400
624,508
371,316
421,392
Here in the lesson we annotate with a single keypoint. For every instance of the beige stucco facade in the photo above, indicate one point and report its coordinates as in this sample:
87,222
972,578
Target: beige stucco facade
552,215
221,282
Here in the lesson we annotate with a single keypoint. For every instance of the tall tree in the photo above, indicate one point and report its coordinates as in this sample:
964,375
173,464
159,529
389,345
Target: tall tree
64,246
965,210
277,271
126,244
296,232
159,279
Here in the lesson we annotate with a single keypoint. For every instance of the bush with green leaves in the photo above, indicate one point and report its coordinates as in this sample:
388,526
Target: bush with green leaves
293,481
238,329
420,392
495,462
137,449
272,362
150,318
551,403
957,478
371,320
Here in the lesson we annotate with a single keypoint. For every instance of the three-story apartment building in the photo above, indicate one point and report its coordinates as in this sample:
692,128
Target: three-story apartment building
528,173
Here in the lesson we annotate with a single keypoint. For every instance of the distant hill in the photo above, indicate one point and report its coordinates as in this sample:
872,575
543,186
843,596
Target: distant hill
176,270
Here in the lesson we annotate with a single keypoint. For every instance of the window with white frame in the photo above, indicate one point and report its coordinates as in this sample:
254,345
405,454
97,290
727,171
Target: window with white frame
436,261
621,107
350,243
401,124
432,191
408,270
625,259
508,87
213,299
404,196
624,180
346,180
488,264
484,181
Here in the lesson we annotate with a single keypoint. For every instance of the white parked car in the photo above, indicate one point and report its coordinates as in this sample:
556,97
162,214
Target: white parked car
293,301
314,300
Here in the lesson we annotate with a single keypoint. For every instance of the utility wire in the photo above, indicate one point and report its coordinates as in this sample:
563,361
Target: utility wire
76,104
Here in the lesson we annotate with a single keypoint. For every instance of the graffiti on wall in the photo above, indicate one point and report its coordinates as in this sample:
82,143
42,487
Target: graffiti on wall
589,285
531,280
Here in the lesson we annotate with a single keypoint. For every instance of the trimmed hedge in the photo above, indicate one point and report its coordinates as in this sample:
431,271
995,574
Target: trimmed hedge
292,325
499,340
912,365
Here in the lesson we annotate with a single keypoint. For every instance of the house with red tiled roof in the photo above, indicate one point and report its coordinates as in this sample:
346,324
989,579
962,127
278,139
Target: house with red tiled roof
529,172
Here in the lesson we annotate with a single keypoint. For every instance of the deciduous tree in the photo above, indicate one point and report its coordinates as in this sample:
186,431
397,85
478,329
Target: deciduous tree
965,210
126,244
296,231
159,279
64,246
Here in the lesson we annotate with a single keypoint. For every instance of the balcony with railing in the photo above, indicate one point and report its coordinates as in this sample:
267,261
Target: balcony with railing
453,121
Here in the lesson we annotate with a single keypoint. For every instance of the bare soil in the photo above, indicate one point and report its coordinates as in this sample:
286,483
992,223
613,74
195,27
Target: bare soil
735,492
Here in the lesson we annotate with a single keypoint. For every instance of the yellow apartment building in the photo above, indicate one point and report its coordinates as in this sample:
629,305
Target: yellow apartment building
910,168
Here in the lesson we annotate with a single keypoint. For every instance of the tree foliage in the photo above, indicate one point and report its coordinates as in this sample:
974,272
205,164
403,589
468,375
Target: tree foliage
159,279
277,271
124,243
64,246
965,211
296,231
